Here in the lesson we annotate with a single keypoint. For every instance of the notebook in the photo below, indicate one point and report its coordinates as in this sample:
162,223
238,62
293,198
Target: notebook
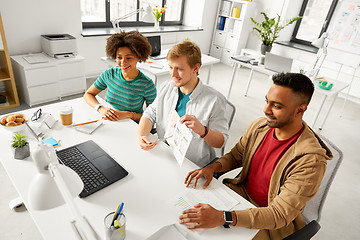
94,166
243,58
89,128
277,63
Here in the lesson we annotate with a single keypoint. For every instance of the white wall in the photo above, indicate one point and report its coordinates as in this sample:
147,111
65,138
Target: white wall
25,20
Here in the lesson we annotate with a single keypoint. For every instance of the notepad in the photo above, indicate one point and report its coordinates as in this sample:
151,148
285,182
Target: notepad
89,128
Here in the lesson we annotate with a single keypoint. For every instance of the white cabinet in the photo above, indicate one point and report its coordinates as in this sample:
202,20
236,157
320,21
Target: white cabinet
232,28
47,81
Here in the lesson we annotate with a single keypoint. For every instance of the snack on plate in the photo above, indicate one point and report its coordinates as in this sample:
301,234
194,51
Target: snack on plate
13,120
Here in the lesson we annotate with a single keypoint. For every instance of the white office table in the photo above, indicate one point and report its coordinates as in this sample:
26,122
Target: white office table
149,191
160,67
334,92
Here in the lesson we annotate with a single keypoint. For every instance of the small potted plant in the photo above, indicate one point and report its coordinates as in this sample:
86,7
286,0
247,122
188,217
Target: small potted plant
269,30
21,146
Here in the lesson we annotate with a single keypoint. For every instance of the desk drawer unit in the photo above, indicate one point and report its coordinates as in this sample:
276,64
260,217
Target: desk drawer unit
41,94
71,70
40,76
72,86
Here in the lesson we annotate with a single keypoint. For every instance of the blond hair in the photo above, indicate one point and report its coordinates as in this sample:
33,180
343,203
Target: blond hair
188,49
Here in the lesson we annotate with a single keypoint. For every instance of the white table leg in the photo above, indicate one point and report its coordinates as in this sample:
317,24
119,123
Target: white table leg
327,114
232,79
208,76
318,111
249,81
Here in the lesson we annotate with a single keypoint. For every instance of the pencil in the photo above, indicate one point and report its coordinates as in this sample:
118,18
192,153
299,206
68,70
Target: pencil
84,123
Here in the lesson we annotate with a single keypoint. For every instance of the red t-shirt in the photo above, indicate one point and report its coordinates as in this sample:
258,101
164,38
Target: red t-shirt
263,164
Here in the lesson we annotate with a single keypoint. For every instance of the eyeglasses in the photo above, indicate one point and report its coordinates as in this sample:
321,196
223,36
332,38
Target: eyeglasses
36,115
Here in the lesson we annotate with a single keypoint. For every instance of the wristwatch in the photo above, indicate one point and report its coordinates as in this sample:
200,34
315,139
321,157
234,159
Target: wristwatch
97,107
228,219
206,132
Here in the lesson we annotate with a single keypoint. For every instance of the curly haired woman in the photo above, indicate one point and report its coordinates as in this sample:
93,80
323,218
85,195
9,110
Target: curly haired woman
127,87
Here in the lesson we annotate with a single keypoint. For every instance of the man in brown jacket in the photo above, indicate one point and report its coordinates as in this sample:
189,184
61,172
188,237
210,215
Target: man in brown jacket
283,162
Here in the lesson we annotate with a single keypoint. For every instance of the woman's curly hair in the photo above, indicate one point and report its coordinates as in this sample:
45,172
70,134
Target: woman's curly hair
135,41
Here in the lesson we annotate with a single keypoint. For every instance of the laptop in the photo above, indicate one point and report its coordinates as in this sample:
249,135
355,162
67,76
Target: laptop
155,43
94,166
277,63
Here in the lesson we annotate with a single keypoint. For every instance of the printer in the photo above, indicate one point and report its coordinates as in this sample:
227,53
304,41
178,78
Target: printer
59,45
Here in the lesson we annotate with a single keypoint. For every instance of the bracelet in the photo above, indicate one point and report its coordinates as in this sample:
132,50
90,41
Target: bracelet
206,132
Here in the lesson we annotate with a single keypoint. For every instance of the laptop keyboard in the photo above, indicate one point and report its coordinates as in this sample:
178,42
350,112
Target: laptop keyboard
92,178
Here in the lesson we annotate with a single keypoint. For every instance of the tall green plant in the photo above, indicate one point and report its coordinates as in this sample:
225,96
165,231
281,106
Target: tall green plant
19,141
270,28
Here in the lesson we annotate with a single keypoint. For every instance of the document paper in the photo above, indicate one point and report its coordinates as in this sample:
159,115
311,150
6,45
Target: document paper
178,136
214,195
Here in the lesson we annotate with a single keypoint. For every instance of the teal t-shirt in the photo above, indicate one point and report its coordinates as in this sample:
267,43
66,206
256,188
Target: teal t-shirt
181,104
126,95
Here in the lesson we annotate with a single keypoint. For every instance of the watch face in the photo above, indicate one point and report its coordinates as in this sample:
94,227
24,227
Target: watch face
228,217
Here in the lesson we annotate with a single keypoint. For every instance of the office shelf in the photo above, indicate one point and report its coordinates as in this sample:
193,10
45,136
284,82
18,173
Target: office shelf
231,30
7,81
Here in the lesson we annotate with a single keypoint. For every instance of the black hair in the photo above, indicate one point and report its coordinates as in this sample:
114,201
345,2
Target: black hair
297,82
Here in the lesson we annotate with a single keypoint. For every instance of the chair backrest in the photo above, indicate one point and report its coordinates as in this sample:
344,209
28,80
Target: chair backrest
149,74
229,114
314,207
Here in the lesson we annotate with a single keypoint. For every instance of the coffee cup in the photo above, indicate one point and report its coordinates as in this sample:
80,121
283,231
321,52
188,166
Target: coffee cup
66,115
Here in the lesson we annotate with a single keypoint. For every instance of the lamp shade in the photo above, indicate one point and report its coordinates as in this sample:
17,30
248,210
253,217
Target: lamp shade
148,16
43,190
44,193
319,42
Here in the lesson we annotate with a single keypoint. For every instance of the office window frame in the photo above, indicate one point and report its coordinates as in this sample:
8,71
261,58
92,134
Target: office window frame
325,24
107,23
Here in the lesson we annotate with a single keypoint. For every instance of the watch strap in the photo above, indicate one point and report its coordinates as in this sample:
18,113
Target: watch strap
97,107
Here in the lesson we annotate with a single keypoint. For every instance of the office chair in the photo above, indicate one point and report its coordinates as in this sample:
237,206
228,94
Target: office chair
148,74
313,208
229,115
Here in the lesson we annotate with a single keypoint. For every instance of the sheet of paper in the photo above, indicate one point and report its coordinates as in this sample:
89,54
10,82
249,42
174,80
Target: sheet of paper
179,137
168,232
214,195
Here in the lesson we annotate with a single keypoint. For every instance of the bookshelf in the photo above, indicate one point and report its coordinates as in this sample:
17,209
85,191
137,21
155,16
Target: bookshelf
232,28
7,81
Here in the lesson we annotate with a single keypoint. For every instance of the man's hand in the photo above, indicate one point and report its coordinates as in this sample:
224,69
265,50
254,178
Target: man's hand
202,216
145,143
206,172
193,123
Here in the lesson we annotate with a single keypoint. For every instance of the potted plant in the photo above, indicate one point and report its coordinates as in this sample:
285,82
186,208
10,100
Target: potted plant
21,146
269,30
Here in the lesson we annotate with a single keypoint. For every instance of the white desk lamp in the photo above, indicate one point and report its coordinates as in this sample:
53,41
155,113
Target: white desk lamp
148,17
56,184
321,43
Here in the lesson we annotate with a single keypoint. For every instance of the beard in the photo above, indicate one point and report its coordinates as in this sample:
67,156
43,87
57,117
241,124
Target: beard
276,123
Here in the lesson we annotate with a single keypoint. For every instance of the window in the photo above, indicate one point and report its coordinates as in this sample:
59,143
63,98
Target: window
99,13
316,16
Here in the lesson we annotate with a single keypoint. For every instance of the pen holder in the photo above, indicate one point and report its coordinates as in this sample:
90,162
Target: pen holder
116,232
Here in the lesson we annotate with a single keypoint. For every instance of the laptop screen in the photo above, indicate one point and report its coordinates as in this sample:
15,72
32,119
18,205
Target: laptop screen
155,43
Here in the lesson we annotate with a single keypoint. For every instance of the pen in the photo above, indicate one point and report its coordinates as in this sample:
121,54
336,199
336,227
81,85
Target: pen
84,123
115,215
119,212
